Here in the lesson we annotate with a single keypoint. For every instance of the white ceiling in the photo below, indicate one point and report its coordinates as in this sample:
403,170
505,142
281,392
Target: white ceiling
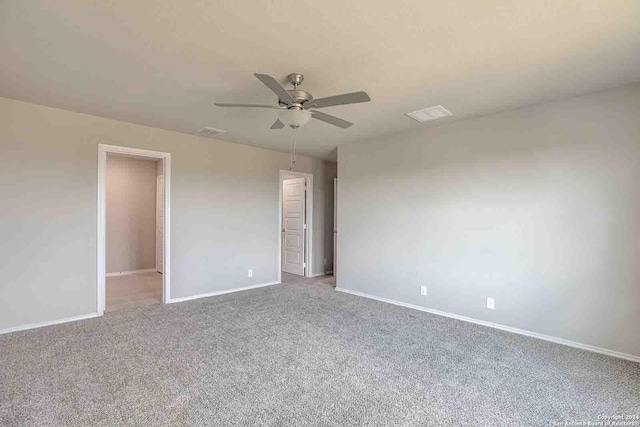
164,63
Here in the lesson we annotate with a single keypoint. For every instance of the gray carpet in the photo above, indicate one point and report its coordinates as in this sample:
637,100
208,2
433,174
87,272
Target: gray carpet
300,354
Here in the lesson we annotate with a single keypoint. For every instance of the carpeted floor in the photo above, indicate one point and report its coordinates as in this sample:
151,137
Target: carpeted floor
300,354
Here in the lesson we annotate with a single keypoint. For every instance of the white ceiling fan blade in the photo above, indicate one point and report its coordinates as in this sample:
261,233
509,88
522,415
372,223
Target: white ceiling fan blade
332,120
223,104
275,87
347,98
277,124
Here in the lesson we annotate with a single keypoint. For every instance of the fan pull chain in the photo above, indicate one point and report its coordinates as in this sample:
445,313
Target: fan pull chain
293,152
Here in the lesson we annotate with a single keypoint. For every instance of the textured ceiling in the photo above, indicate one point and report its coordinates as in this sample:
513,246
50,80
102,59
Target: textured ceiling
164,63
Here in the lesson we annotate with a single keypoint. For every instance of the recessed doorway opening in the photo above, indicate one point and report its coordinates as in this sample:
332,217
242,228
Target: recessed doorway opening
133,228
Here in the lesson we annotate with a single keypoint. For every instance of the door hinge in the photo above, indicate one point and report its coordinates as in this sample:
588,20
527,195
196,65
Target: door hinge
304,265
304,226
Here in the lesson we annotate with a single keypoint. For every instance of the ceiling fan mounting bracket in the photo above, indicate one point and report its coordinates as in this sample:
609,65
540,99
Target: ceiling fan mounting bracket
295,79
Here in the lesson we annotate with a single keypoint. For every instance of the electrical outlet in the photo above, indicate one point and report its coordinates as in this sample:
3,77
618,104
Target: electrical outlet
423,291
249,273
491,304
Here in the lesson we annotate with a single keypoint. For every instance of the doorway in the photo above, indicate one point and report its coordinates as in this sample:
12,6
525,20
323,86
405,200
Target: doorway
133,227
295,223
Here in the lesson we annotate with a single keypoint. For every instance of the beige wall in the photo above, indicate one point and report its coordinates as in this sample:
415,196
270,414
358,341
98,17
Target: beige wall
538,208
224,217
131,213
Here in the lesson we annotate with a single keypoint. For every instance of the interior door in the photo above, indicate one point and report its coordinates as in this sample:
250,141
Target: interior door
293,225
160,223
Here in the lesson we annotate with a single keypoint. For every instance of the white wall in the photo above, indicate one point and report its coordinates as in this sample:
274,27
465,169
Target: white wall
224,217
131,213
538,208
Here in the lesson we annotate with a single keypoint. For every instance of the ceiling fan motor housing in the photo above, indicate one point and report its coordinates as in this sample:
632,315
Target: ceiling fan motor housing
299,97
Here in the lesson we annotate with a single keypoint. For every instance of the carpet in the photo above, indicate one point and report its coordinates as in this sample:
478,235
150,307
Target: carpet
300,353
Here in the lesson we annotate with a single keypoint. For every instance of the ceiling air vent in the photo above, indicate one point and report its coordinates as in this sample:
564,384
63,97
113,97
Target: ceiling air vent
431,113
211,131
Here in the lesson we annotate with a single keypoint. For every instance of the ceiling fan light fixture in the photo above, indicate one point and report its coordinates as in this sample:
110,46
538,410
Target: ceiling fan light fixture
294,117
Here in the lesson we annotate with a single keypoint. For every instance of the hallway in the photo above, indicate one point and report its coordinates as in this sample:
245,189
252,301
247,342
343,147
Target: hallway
133,290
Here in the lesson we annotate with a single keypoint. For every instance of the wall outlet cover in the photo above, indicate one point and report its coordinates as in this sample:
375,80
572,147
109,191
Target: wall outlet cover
491,304
423,290
249,273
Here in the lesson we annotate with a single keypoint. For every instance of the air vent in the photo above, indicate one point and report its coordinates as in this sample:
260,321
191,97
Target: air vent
211,131
431,113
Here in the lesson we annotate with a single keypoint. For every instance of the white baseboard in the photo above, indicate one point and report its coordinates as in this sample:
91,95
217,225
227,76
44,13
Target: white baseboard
498,326
227,291
125,273
321,274
92,315
47,323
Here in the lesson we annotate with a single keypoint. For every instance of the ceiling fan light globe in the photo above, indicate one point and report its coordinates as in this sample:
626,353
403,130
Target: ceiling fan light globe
295,118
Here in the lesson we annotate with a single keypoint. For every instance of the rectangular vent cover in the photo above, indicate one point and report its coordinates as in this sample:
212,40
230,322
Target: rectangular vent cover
211,131
431,113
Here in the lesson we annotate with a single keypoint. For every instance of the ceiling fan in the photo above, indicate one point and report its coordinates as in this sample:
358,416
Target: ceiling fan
297,106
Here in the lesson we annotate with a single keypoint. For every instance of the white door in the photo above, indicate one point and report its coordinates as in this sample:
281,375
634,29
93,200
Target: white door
293,225
159,223
335,227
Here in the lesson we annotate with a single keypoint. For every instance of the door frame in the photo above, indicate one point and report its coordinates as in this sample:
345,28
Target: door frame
308,235
335,227
103,149
155,249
